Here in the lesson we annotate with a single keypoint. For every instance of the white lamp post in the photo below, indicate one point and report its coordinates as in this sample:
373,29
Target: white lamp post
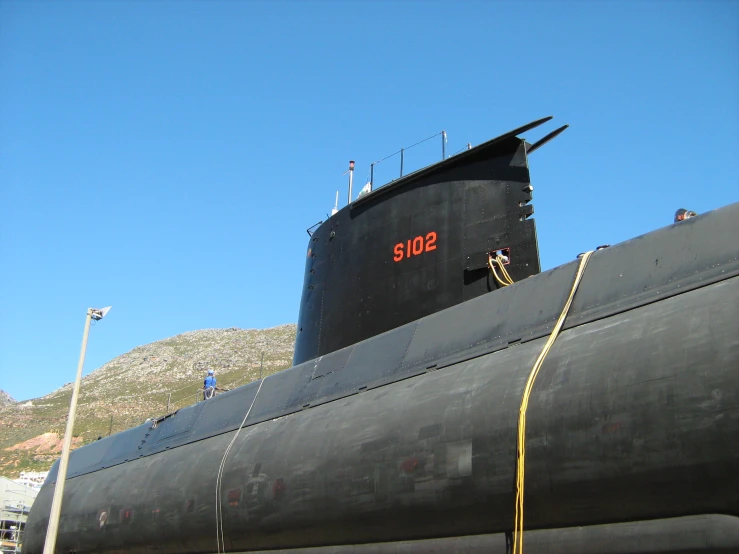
56,503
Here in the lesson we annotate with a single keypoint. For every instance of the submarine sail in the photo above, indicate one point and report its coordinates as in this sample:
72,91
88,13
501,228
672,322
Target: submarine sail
418,245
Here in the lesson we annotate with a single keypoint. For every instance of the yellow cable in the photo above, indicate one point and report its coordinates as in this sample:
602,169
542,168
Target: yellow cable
503,270
495,273
518,523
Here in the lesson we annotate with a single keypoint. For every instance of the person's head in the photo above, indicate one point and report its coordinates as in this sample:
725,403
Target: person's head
211,372
683,214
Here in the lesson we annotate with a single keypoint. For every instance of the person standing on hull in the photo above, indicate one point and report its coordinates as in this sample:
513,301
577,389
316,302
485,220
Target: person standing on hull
209,385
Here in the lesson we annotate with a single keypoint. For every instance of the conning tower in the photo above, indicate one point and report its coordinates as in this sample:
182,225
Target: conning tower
419,244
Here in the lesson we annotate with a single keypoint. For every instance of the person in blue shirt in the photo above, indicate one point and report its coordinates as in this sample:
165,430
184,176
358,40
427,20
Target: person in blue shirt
209,385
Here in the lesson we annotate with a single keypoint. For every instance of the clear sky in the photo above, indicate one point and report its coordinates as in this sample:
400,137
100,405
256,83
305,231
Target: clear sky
165,158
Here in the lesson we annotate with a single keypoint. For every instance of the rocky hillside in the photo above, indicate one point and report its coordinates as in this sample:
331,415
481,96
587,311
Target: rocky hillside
137,385
5,399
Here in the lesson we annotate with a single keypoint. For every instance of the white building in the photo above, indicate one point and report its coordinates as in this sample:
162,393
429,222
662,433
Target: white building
33,479
15,504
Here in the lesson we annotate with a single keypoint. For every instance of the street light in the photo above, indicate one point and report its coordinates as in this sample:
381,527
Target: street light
56,503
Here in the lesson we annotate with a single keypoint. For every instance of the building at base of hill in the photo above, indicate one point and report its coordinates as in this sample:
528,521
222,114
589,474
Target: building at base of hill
16,500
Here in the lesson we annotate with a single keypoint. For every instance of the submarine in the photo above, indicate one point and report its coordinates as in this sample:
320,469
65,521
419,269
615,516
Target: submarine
398,427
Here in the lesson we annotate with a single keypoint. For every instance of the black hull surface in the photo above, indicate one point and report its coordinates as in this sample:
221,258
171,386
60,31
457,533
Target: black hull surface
681,535
411,435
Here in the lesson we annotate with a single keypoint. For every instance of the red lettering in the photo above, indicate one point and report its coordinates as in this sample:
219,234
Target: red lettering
431,241
417,246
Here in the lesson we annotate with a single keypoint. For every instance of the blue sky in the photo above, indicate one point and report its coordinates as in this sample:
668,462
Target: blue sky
166,157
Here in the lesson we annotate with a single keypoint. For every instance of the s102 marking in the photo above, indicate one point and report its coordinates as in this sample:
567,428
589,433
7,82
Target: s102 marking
415,246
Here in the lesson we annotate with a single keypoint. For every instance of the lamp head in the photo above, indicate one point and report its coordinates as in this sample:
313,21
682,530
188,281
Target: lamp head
98,314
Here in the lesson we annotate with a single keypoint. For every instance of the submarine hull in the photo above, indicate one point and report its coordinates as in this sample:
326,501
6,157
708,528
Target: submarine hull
410,437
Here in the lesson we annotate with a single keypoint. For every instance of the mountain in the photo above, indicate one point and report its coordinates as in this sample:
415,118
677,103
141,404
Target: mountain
137,385
5,399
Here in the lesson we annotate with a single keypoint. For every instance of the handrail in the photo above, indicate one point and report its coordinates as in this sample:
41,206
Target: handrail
402,152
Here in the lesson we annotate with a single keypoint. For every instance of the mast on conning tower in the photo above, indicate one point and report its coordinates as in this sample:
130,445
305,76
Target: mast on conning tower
351,179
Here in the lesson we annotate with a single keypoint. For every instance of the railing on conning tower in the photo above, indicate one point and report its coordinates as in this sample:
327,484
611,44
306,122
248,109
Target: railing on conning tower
401,153
370,184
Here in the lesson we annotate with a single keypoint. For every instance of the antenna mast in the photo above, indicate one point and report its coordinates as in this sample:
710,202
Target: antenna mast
351,179
336,205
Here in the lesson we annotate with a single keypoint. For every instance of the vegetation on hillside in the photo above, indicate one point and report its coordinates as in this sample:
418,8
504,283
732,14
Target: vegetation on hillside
137,385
